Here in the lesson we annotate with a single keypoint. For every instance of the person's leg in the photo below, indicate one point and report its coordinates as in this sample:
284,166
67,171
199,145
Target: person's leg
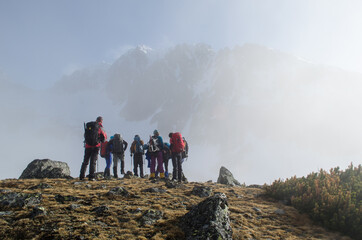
165,162
93,163
140,163
153,166
115,163
160,164
122,163
179,167
83,168
174,166
135,165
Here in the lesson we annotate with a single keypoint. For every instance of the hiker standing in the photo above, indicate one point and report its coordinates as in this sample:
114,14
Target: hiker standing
94,135
177,146
166,155
137,152
184,156
119,147
107,170
155,147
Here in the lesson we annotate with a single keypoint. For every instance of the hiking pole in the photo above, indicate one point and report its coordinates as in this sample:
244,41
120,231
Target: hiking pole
131,162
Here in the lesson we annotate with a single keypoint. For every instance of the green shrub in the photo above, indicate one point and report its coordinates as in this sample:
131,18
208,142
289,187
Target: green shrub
332,199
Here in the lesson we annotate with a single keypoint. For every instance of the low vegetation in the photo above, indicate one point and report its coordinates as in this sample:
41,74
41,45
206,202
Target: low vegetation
333,199
73,209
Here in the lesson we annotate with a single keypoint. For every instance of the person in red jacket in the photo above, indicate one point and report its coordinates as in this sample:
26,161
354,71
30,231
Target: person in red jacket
92,149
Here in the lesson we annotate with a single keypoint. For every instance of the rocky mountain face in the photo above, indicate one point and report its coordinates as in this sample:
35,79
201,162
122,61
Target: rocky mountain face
250,105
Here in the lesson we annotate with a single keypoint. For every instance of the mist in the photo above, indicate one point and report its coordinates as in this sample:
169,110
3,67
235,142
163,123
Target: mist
260,112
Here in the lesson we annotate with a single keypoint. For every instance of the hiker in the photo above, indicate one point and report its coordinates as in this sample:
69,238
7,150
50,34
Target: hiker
94,134
184,156
155,147
119,146
166,155
108,156
137,152
177,146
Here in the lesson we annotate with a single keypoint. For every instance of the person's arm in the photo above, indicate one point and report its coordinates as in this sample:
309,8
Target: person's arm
132,147
125,145
160,142
102,134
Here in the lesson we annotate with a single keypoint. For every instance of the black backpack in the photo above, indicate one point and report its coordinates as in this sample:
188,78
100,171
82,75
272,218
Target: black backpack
91,136
117,143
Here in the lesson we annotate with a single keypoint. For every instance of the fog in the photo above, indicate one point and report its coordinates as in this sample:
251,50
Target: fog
261,113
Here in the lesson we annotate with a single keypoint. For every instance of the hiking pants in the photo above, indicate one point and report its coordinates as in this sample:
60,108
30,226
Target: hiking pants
138,162
107,170
157,155
90,154
177,166
165,161
116,158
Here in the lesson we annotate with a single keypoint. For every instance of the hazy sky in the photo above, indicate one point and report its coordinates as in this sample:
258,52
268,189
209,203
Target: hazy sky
40,40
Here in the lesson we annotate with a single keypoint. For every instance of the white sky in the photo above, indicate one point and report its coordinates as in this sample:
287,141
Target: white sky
40,40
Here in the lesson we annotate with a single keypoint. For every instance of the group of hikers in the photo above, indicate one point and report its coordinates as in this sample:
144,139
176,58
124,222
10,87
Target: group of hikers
156,151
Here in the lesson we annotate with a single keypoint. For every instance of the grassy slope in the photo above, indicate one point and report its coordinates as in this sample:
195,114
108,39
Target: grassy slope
122,220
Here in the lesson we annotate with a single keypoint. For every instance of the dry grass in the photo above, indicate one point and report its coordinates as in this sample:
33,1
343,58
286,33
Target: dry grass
122,219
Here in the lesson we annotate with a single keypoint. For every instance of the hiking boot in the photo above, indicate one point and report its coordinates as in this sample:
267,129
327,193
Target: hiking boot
122,171
92,179
162,175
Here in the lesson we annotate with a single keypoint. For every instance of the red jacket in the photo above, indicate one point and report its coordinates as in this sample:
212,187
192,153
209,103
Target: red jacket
102,135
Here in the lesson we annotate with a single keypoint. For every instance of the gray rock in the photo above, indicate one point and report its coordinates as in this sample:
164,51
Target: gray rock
171,184
256,209
37,211
154,190
101,210
19,200
73,206
208,220
226,177
118,191
40,186
279,211
7,213
129,175
5,190
150,216
62,199
202,191
46,169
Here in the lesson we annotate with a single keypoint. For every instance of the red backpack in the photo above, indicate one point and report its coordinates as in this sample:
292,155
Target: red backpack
104,149
178,144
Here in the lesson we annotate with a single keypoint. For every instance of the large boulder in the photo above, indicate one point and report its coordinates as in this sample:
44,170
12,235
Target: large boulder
226,177
46,168
208,220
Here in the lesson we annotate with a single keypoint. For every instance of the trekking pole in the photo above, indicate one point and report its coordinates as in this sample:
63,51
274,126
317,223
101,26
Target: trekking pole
131,163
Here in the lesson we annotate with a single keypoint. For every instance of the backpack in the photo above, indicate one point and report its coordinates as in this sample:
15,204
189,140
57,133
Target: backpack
104,149
138,147
178,144
153,145
185,153
91,135
117,143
